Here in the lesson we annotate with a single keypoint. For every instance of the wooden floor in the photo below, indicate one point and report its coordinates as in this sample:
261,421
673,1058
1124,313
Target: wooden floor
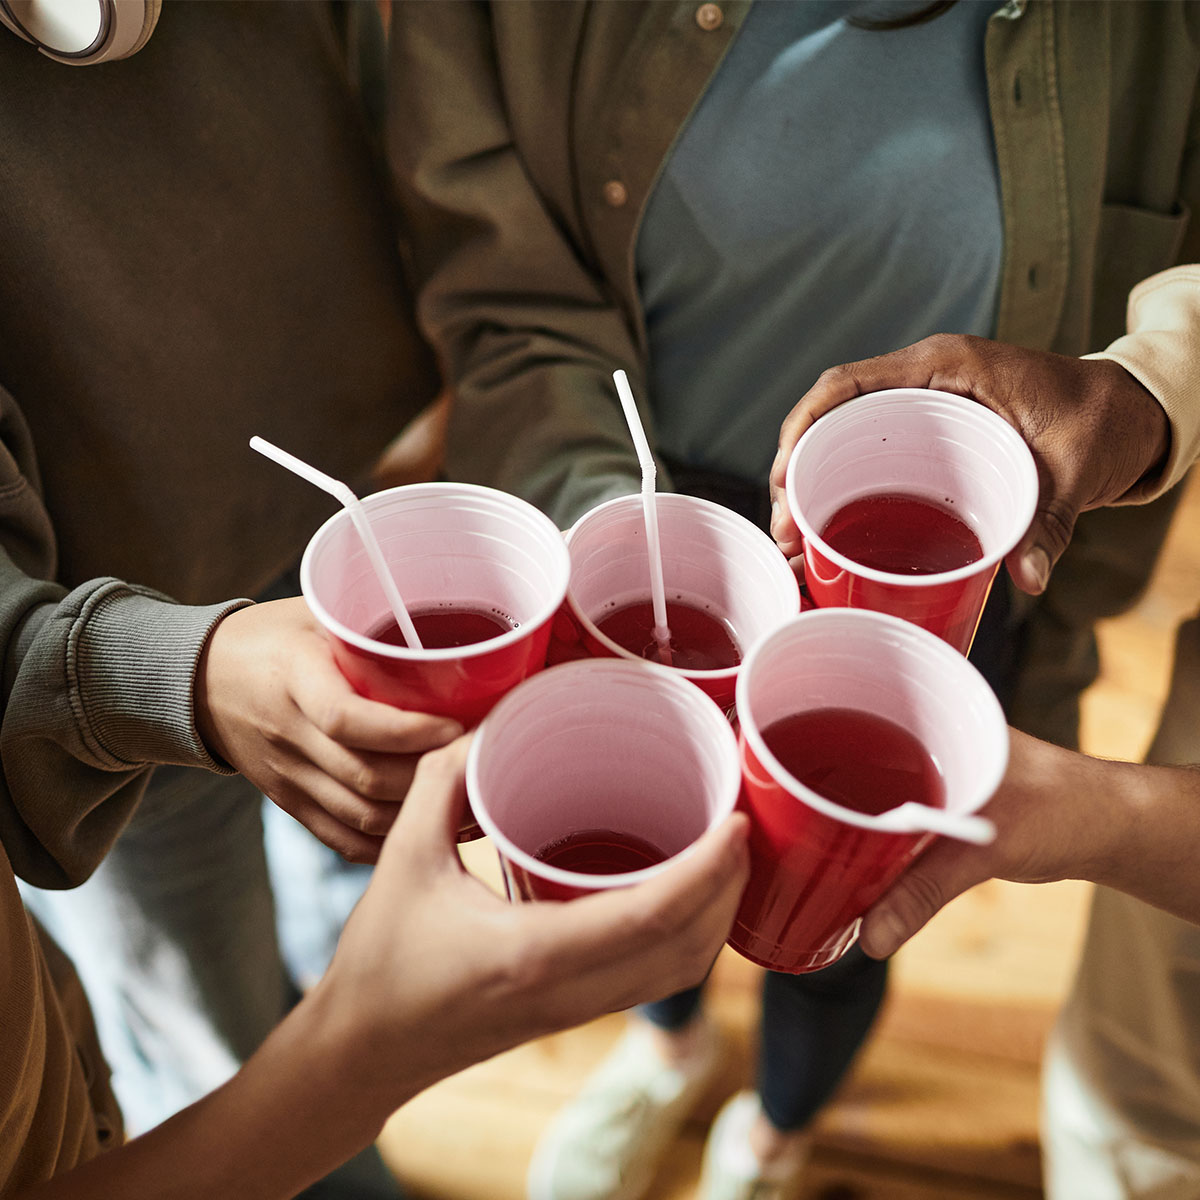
942,1104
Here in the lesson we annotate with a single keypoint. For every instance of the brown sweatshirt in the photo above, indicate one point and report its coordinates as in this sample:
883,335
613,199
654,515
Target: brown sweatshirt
196,245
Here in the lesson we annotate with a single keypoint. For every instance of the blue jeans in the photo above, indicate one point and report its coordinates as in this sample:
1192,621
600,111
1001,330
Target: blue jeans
812,1027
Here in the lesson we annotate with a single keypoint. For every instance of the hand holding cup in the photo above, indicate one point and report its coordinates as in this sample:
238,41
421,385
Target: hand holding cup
908,499
435,972
1095,431
271,701
463,553
844,715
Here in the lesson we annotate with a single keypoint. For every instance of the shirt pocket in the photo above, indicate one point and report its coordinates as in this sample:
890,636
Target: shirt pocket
1134,243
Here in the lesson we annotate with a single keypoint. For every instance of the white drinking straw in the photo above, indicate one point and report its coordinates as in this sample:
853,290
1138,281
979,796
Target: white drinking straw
919,818
354,507
658,591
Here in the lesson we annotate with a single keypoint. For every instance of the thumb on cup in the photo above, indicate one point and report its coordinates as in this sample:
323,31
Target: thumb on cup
944,872
1031,561
436,804
784,529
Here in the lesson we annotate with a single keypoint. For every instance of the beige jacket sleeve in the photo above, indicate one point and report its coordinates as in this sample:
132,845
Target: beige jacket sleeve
1162,351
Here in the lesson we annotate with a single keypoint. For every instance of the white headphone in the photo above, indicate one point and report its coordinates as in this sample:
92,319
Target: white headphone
80,32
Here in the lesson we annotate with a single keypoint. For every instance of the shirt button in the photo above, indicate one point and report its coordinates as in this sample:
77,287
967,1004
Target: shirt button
615,193
709,17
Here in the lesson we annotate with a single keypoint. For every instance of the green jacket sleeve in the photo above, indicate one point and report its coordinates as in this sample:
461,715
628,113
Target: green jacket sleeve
97,687
534,409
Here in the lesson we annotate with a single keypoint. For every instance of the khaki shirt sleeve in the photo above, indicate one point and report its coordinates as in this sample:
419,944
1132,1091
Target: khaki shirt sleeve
1162,351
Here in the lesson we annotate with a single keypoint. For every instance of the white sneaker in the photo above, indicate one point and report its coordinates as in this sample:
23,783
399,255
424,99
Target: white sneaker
731,1169
607,1143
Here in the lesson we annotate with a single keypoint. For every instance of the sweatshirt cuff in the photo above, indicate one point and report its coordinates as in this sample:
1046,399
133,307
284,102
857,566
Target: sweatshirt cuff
1162,351
131,668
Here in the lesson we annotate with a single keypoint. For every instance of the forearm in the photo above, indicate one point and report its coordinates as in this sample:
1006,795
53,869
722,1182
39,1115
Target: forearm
1128,826
573,452
291,1114
1154,843
1062,815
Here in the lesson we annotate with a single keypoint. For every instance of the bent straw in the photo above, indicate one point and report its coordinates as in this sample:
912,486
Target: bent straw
339,491
658,591
919,818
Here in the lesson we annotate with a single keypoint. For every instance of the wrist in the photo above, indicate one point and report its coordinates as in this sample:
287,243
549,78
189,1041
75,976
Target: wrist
206,690
1155,428
362,1049
1124,803
1139,422
346,1059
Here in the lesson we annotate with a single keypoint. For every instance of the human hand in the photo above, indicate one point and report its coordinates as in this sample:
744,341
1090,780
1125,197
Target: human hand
1094,430
1056,818
272,703
435,972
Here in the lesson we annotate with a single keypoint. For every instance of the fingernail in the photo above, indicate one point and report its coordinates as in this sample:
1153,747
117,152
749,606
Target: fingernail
882,935
776,512
1037,561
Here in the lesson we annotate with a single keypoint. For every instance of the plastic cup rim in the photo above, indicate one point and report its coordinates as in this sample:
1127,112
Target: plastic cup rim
953,660
711,675
449,653
985,563
730,787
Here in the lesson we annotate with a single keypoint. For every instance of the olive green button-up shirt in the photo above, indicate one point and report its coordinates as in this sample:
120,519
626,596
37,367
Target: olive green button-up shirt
527,137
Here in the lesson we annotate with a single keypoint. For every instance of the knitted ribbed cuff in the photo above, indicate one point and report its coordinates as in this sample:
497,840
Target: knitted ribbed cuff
131,666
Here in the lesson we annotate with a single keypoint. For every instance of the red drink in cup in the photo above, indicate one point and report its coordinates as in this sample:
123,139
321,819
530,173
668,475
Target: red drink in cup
907,501
446,626
699,640
858,731
598,774
856,759
726,585
600,852
469,561
902,535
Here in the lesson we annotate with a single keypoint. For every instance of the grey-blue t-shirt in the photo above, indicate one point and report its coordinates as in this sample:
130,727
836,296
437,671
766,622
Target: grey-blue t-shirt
833,196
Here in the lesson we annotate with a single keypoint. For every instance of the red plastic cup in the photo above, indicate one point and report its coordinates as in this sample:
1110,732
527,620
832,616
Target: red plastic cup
815,866
448,544
605,747
713,559
932,445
